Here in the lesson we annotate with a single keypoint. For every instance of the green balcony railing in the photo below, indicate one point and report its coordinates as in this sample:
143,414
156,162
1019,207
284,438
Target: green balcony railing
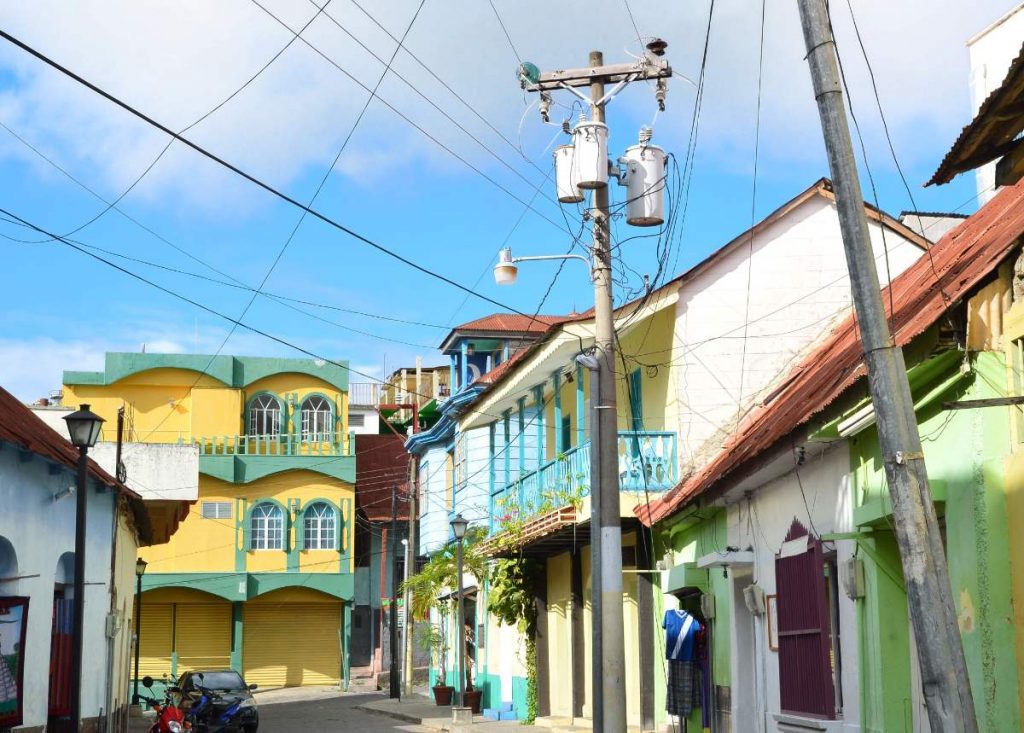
280,444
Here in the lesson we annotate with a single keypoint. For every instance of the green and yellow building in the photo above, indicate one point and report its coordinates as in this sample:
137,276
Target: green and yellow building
259,577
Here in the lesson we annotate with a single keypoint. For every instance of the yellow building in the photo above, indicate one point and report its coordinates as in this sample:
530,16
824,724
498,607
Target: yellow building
259,577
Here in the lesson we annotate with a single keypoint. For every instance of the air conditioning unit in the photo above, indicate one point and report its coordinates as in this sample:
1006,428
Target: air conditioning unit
753,597
851,574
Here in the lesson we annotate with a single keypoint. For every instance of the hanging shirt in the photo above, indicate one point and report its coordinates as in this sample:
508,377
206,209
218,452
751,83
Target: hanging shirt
680,635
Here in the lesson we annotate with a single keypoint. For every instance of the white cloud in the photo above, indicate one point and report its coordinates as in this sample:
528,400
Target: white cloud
176,60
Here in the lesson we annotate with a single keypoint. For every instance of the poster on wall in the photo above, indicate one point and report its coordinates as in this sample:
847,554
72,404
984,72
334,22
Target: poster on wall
13,619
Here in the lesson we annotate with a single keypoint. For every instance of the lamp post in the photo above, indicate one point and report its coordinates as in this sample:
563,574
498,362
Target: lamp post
459,531
140,570
84,428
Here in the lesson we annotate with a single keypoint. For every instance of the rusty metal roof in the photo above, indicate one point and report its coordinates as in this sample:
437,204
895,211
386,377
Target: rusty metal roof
962,259
23,428
992,132
381,463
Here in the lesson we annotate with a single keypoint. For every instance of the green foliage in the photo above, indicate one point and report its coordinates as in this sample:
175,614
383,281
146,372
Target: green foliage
513,590
432,589
531,680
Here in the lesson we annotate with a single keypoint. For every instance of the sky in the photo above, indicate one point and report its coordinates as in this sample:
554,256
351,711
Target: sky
450,161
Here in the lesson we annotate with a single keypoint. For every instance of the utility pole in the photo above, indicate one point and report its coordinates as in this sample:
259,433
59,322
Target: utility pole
413,496
609,687
613,652
947,689
596,601
395,688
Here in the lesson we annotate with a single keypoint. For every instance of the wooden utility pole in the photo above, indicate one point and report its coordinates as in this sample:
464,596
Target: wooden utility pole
609,660
947,689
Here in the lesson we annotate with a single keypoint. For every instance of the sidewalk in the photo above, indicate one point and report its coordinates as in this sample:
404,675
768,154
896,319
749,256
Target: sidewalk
422,710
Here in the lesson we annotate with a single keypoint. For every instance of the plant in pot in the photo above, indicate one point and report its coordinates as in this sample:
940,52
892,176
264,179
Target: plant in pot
432,590
425,587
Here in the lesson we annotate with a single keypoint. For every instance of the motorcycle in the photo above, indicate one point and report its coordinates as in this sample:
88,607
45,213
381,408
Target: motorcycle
169,717
207,715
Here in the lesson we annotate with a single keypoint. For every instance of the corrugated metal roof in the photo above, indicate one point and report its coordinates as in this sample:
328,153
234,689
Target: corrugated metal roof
381,463
961,259
992,132
22,427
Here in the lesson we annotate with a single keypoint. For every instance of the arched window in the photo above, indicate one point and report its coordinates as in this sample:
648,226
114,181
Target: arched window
264,415
316,418
319,527
266,527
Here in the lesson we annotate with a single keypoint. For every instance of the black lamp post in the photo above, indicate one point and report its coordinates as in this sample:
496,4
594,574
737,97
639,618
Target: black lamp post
84,427
459,531
140,570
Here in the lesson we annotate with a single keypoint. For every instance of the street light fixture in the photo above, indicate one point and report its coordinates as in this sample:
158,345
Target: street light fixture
506,272
140,570
459,532
84,428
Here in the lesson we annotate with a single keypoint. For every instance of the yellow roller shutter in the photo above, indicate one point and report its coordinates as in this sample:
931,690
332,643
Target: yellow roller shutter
202,635
292,644
155,640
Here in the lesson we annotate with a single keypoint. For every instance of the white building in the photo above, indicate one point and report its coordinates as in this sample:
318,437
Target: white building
37,540
991,53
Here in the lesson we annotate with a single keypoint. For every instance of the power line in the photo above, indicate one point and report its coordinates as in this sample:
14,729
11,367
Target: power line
234,282
216,107
505,31
249,177
409,120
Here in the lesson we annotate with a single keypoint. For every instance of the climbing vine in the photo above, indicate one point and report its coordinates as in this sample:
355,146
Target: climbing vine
513,590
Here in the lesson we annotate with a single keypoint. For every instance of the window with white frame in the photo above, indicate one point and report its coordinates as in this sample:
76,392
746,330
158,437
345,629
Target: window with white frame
216,510
316,418
319,527
266,527
264,415
356,420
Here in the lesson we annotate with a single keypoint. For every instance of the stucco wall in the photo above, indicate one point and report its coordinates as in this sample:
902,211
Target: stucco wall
41,531
798,285
762,523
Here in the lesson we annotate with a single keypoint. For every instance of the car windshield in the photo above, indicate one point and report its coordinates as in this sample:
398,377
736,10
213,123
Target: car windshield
219,681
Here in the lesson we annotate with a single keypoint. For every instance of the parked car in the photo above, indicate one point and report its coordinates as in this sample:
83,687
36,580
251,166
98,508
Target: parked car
230,689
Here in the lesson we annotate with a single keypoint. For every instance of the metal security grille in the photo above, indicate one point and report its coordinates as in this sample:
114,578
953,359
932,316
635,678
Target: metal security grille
805,649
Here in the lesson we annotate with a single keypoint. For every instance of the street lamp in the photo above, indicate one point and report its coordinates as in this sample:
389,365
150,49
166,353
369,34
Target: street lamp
140,570
84,428
506,272
459,532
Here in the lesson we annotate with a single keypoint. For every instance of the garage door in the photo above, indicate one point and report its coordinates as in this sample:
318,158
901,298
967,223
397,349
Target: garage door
292,644
202,635
155,640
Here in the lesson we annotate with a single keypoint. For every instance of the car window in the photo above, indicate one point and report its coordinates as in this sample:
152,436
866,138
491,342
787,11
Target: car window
219,681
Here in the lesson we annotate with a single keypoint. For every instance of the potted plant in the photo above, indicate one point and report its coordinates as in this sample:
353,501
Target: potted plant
431,589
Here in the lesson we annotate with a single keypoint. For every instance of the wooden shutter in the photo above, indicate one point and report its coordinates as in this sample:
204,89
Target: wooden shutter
805,668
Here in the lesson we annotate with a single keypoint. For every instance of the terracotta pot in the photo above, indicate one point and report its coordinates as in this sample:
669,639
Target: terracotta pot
473,700
443,695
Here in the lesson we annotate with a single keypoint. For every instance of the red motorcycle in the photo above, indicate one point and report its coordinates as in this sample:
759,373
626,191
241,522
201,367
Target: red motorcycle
169,717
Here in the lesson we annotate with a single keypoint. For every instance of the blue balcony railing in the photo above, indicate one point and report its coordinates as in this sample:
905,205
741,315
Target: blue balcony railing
647,462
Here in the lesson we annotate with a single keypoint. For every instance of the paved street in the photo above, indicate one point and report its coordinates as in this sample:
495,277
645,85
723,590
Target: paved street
322,712
329,714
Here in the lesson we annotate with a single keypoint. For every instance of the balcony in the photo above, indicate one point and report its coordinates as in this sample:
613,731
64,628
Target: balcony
244,458
281,444
647,463
363,394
